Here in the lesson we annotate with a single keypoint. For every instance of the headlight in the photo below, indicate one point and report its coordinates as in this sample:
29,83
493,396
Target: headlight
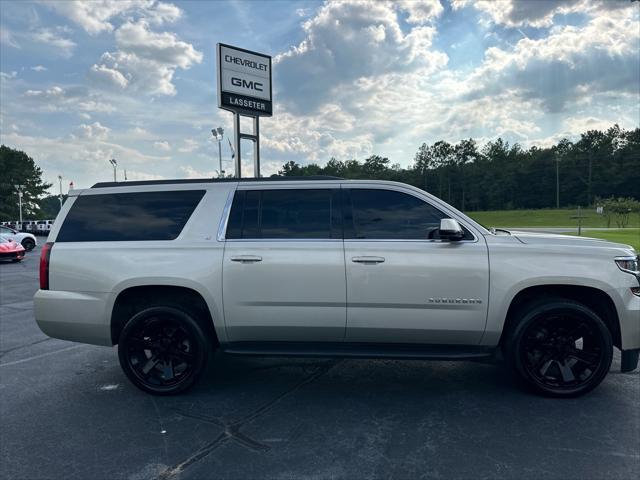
629,264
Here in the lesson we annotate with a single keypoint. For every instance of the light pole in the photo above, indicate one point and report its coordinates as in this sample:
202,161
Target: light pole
19,189
115,165
60,196
218,134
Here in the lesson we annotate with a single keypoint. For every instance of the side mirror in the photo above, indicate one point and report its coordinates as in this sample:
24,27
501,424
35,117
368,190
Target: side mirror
450,230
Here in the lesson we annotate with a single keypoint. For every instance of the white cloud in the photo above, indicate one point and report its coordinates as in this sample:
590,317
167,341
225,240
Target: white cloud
345,42
110,77
421,11
68,99
570,62
55,39
535,13
96,16
164,146
94,131
189,172
39,68
164,13
145,60
8,76
7,38
188,145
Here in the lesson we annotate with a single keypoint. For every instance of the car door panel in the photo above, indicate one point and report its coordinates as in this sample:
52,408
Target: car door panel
284,289
411,290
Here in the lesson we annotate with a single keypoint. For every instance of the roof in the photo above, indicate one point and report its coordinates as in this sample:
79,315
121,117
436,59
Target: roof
213,180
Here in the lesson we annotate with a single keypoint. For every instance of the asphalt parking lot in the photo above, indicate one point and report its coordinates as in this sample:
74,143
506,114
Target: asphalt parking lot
68,412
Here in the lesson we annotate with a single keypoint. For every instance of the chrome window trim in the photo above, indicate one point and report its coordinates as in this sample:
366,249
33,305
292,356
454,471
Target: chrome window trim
274,240
222,227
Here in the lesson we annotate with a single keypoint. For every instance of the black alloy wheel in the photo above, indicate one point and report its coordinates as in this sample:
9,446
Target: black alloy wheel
163,350
561,348
28,244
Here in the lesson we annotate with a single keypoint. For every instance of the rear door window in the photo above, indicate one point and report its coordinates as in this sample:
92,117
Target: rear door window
285,214
129,216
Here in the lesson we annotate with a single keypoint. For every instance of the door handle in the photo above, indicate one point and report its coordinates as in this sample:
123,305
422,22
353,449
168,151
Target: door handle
367,260
246,258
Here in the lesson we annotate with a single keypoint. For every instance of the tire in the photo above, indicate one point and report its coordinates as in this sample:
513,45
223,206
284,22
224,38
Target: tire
559,348
16,260
28,244
163,350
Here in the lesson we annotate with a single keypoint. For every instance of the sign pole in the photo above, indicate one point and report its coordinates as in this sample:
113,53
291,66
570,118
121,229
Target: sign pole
236,140
256,147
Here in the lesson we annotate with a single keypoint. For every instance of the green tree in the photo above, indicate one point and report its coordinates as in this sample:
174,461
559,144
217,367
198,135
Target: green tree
19,169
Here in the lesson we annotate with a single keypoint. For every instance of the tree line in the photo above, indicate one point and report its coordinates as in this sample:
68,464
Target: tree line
503,176
496,176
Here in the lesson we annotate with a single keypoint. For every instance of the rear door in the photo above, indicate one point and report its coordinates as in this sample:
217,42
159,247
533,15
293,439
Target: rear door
404,285
283,270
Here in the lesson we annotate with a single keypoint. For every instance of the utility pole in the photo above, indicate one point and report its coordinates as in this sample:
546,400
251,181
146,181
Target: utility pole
114,164
218,134
557,181
19,189
60,196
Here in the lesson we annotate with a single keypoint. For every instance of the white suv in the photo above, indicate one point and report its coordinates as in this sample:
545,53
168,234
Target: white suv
171,270
27,240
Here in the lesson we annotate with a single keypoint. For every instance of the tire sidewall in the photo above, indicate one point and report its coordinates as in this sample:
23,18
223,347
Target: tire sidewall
28,244
533,314
194,329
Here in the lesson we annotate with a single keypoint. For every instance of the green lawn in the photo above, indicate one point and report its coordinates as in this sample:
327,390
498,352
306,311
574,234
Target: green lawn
627,236
544,218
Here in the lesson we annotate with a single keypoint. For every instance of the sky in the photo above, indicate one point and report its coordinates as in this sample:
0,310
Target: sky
135,80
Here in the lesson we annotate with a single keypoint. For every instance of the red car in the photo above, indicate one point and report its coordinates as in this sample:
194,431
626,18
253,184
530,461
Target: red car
10,250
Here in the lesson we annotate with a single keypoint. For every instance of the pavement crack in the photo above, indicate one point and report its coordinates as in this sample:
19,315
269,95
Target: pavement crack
19,347
232,430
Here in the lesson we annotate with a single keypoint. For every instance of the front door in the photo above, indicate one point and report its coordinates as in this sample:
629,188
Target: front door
404,285
283,272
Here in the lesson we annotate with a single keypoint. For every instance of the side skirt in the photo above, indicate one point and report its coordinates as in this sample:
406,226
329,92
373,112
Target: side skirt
360,350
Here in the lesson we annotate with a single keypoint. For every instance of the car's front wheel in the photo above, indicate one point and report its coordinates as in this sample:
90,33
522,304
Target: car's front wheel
28,244
559,347
163,350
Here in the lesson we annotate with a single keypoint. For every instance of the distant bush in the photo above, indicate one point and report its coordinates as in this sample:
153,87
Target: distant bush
618,209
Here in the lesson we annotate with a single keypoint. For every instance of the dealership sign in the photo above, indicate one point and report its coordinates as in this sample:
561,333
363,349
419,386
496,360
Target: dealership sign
244,81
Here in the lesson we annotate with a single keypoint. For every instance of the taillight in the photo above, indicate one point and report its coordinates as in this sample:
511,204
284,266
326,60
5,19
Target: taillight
45,254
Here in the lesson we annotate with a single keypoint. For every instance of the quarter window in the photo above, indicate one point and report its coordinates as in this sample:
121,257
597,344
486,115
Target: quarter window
286,214
129,216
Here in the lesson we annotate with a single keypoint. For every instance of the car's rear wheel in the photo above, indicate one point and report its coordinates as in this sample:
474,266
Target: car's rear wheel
559,348
163,350
28,244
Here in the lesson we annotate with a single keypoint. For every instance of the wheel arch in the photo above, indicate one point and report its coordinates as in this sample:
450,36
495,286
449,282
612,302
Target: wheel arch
595,299
136,298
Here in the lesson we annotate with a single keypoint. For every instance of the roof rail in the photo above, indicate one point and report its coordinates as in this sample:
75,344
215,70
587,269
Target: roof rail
212,180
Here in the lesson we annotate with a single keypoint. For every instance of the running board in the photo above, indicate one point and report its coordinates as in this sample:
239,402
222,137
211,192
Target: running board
359,350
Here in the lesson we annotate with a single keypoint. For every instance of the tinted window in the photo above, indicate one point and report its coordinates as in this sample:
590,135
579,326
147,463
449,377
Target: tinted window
285,214
385,214
129,216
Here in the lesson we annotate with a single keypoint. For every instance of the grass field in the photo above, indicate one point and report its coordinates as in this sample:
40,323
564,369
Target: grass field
544,218
562,218
627,236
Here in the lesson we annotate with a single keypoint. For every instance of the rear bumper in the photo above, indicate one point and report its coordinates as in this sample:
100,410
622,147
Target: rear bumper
79,317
